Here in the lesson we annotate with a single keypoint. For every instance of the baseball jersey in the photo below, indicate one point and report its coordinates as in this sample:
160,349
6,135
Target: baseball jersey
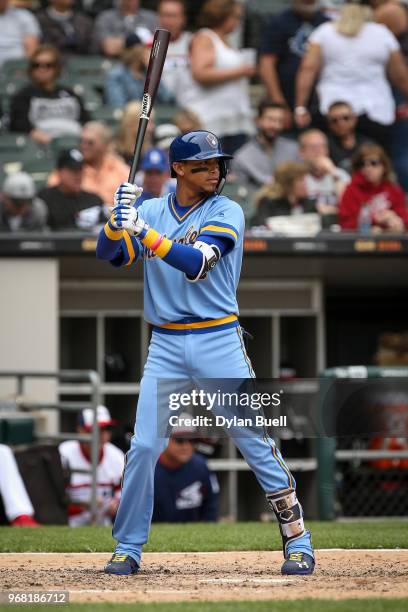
109,474
168,295
189,493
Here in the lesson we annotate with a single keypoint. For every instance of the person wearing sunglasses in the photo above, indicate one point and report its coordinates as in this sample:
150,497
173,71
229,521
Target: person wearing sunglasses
43,108
184,488
344,140
372,188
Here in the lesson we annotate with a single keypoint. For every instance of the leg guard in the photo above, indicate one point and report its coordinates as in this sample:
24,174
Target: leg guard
289,513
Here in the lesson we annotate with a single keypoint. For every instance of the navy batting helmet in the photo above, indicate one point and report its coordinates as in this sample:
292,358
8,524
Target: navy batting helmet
198,145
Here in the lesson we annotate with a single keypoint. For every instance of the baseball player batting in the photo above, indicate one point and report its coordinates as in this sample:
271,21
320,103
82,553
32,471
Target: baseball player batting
192,246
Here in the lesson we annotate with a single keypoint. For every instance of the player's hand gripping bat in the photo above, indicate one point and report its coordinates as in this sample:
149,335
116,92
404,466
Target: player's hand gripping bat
154,71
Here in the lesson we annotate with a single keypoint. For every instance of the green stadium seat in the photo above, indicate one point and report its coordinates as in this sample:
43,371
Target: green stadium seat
61,143
39,169
164,113
14,69
90,97
93,68
240,194
110,115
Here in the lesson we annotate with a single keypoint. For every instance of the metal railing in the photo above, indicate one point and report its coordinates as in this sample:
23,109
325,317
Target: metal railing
72,376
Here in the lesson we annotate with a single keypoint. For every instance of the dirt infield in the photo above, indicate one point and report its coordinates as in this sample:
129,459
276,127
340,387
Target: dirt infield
209,576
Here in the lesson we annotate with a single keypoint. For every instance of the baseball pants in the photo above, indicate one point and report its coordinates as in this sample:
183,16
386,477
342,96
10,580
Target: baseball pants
217,354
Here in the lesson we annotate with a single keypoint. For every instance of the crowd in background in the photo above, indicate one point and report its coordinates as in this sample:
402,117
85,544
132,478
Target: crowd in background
323,141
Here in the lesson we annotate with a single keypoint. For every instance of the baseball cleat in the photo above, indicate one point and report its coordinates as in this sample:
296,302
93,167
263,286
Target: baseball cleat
298,563
121,565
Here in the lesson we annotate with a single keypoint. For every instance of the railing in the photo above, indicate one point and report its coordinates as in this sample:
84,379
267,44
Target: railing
68,376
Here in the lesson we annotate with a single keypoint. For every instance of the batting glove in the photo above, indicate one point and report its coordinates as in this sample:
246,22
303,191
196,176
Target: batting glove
127,194
127,218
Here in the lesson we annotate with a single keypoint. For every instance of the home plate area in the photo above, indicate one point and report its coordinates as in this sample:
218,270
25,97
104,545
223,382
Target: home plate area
209,576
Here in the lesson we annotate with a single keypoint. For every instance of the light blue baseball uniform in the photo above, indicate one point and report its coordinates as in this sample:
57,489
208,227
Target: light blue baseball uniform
196,335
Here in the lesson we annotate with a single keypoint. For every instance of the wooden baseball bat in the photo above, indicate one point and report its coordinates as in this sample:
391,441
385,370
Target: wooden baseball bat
154,71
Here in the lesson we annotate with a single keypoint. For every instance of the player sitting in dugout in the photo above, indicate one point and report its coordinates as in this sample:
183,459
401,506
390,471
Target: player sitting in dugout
192,245
184,488
76,456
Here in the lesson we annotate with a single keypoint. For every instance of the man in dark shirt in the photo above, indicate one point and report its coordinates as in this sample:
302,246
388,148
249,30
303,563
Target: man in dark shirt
184,488
69,207
282,48
67,29
343,138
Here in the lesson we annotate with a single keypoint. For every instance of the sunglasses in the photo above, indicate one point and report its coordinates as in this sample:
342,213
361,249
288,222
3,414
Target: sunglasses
49,65
370,162
87,141
340,118
183,441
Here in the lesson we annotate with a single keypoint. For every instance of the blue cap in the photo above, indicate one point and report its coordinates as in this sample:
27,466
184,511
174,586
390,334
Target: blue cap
154,159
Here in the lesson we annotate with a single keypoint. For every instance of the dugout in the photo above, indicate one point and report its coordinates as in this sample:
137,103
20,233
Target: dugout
301,299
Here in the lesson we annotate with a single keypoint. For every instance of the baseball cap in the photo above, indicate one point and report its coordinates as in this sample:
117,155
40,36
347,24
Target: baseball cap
19,186
70,158
164,134
154,159
132,39
182,430
103,416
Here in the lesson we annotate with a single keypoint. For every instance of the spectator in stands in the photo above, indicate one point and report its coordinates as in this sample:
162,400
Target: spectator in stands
94,7
325,181
44,109
20,32
17,504
373,190
187,121
218,89
343,138
114,25
255,162
283,45
69,206
351,58
285,195
76,455
67,29
103,170
394,15
184,488
155,168
172,17
127,129
20,209
125,81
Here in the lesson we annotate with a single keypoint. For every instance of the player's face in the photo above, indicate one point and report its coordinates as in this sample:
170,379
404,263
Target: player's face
180,450
203,175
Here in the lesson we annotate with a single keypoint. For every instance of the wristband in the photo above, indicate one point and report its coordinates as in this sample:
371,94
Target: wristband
160,245
112,232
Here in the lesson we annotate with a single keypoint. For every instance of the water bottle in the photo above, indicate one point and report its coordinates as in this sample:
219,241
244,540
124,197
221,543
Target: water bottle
364,220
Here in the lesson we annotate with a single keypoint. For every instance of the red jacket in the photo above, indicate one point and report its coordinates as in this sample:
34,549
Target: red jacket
359,192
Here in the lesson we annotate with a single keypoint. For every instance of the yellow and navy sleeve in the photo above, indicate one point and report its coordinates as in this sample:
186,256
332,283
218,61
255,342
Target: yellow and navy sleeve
117,246
225,221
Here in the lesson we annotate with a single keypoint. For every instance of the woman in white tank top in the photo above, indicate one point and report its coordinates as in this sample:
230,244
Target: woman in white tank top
217,88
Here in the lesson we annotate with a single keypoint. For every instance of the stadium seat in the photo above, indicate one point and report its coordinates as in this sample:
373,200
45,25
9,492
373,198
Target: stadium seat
14,69
110,115
240,194
39,169
164,113
87,92
60,143
93,68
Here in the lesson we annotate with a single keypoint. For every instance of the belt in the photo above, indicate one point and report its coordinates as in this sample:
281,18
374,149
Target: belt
198,326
